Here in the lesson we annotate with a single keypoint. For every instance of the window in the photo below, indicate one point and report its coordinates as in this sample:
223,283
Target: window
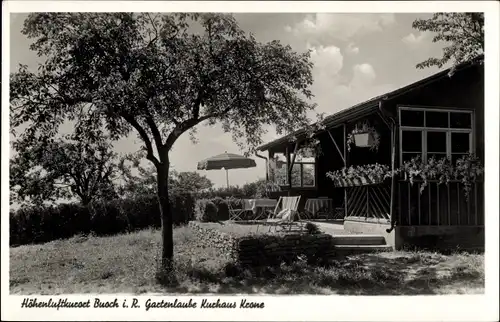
435,133
303,171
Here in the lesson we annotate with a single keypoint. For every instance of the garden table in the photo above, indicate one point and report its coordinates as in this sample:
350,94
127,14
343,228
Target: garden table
259,206
314,206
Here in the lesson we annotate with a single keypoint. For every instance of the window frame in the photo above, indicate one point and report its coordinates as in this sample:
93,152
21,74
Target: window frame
301,164
424,130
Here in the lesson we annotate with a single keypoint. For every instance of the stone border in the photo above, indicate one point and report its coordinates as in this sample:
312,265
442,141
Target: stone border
266,250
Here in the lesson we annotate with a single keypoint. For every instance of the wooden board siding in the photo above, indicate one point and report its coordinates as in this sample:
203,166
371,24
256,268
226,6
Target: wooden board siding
464,90
369,202
439,205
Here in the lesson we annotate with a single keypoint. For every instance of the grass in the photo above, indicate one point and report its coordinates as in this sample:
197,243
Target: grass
127,264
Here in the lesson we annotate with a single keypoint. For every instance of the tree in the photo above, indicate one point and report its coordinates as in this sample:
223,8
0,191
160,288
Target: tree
160,76
190,182
60,168
142,183
464,33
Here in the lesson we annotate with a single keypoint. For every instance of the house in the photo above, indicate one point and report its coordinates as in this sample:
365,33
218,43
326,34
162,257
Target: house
439,116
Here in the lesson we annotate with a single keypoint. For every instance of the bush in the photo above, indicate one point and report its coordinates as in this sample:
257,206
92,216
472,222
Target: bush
221,211
222,208
224,193
141,212
312,229
206,211
44,224
250,189
107,219
183,208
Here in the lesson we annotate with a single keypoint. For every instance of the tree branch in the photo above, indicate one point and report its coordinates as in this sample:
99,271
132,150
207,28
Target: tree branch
150,154
186,125
196,106
155,131
154,27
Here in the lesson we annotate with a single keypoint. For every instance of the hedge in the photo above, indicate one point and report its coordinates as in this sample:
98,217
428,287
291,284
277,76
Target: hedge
206,210
216,209
249,190
44,224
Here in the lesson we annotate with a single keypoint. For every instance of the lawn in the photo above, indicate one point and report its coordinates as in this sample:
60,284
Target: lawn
126,263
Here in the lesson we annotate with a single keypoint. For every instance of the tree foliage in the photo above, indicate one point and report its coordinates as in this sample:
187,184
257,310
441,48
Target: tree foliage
138,179
190,182
63,168
159,75
463,33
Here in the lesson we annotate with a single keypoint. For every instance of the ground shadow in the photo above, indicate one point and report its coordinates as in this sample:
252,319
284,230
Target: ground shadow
363,275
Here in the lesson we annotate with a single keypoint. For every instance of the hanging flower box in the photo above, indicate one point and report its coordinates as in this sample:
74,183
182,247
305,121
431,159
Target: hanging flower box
360,175
364,136
466,170
364,140
356,182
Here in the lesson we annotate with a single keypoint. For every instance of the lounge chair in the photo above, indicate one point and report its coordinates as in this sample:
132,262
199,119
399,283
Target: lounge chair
287,209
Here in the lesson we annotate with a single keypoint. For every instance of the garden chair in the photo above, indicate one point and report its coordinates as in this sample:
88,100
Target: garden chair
235,213
288,208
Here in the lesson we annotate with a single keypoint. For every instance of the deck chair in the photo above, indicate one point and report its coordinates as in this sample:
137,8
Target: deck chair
287,206
235,213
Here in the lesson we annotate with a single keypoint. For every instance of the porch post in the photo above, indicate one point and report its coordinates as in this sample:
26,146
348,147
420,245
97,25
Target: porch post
345,164
290,164
270,165
393,178
288,172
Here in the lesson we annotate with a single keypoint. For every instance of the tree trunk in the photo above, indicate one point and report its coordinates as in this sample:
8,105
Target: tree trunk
167,255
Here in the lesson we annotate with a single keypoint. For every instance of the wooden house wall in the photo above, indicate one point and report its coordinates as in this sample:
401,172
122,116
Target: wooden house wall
444,205
465,90
363,156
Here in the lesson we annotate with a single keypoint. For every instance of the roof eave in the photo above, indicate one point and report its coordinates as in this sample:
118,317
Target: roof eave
344,115
329,122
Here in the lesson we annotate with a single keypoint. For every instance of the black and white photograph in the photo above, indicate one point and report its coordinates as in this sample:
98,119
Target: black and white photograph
233,156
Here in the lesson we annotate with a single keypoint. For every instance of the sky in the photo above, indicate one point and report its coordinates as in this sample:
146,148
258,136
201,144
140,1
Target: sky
356,57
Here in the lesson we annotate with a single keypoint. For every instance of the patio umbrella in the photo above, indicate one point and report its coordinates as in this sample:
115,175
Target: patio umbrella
226,161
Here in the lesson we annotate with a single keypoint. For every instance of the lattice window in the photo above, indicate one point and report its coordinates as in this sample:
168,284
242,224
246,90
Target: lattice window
303,171
435,132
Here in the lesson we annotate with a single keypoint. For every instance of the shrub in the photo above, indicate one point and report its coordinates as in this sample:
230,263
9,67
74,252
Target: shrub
223,192
219,213
43,224
183,208
141,212
106,218
222,208
265,189
312,229
206,211
251,189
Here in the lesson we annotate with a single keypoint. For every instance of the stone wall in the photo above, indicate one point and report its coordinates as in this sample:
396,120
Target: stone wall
267,249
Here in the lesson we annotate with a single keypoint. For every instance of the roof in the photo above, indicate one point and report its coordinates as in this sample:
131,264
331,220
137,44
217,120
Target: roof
366,107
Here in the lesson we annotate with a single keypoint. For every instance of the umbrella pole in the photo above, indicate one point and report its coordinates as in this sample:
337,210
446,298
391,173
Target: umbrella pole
227,179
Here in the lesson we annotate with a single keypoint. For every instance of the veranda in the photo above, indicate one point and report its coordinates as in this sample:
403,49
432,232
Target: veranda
437,117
